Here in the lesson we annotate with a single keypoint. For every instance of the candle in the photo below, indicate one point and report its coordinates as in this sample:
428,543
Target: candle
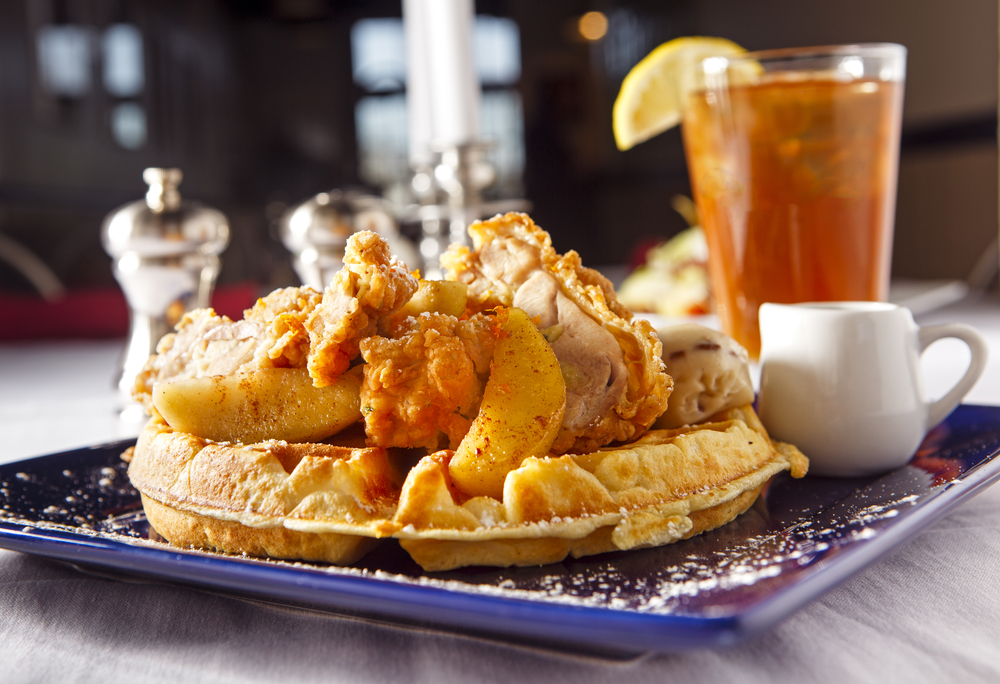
443,90
418,94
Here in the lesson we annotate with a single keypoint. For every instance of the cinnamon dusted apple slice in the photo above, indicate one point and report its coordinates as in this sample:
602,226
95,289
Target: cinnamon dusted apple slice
441,296
522,409
269,403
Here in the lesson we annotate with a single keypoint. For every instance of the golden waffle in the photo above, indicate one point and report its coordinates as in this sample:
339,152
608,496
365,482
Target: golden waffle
297,501
326,503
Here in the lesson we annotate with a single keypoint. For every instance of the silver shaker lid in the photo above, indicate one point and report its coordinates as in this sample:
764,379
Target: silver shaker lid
164,224
316,232
165,252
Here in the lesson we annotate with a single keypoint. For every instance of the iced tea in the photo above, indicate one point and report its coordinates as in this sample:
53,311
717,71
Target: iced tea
794,176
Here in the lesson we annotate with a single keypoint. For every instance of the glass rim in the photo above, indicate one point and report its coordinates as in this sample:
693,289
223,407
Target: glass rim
848,49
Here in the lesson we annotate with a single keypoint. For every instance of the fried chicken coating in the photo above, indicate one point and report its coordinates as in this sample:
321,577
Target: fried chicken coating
615,379
202,344
297,301
372,284
507,252
295,327
424,388
271,335
283,314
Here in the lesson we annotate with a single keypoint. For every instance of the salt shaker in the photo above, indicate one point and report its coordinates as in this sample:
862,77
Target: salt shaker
165,253
316,233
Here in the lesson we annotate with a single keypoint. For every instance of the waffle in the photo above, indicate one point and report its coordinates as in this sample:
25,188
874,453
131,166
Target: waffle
312,502
666,486
327,503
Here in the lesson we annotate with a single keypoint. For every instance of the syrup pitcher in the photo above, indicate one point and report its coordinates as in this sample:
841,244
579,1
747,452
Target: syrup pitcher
841,381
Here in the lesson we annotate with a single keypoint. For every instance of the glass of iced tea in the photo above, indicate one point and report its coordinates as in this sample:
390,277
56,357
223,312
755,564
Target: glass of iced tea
793,158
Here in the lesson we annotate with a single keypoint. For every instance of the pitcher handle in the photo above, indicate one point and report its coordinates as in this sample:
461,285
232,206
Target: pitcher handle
940,409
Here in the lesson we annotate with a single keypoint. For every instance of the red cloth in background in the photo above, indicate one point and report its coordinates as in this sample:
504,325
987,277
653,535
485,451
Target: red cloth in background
95,313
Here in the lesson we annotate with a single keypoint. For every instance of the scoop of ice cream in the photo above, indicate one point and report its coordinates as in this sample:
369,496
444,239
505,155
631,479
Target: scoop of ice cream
711,373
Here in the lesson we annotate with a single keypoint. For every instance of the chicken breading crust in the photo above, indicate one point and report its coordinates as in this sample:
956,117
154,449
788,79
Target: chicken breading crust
373,283
424,388
503,269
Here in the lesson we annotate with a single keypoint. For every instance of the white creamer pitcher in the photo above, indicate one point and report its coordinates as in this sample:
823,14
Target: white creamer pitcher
841,381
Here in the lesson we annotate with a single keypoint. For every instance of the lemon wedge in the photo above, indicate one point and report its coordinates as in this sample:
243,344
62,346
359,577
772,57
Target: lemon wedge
650,99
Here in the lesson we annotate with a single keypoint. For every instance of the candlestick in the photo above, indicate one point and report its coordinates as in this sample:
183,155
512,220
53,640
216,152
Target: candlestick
451,199
418,89
443,89
446,152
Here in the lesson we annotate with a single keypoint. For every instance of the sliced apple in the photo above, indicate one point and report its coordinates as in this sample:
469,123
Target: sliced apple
436,296
270,403
522,409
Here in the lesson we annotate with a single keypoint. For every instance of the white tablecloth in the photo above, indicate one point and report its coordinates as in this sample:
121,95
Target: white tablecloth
929,612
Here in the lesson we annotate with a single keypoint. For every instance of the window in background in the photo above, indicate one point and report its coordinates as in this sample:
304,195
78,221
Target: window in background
124,79
627,40
378,64
378,54
124,73
503,123
382,139
65,55
128,125
497,46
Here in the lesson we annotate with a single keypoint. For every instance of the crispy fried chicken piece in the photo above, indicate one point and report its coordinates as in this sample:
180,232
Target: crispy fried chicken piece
283,314
295,327
616,385
203,344
424,388
271,335
595,380
504,258
297,301
372,284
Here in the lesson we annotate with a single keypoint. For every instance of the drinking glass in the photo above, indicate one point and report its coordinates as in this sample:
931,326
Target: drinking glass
793,157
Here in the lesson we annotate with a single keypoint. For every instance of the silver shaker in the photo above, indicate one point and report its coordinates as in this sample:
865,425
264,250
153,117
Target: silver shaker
165,252
316,233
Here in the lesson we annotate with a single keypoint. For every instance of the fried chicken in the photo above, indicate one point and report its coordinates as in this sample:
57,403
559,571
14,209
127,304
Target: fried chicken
271,335
424,388
615,379
295,327
283,314
425,376
296,301
202,344
372,284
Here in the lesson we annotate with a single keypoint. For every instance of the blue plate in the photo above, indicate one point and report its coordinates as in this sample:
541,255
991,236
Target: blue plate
795,543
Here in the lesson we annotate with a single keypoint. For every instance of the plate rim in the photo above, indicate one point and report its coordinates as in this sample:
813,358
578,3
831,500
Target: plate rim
450,609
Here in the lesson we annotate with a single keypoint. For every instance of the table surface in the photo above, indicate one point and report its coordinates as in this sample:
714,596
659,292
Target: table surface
930,611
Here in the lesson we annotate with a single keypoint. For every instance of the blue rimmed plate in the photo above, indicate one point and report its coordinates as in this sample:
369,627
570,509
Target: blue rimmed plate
795,543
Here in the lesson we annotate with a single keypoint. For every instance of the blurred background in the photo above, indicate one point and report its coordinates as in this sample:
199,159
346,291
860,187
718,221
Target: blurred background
264,103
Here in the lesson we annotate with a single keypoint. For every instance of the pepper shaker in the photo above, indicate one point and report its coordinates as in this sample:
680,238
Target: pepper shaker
316,233
165,252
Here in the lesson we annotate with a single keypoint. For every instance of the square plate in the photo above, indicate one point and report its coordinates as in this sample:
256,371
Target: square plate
794,544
